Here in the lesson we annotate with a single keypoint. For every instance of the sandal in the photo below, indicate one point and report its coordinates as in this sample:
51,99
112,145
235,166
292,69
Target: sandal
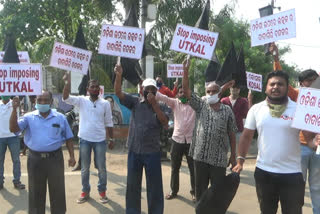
170,196
19,186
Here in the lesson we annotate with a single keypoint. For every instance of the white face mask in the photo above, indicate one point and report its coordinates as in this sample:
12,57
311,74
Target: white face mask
212,99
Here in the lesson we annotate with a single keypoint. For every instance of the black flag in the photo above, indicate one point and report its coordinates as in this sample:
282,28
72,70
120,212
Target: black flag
212,69
241,76
80,42
203,21
10,52
131,67
229,67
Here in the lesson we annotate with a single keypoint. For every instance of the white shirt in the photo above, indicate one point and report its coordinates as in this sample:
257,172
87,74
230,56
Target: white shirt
5,113
93,117
278,142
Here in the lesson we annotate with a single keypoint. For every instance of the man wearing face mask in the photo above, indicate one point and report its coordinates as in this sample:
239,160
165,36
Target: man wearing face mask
164,89
11,141
213,135
184,118
45,132
147,118
95,126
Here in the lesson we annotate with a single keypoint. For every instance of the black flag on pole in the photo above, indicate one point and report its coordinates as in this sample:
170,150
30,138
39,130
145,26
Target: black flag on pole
80,42
241,76
212,69
10,52
203,21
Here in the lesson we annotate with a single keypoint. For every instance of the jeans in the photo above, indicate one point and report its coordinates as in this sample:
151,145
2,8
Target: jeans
151,163
274,187
310,164
99,150
204,173
177,152
14,147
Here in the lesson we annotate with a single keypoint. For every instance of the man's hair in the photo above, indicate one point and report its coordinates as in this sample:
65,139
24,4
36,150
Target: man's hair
49,92
92,81
281,74
307,74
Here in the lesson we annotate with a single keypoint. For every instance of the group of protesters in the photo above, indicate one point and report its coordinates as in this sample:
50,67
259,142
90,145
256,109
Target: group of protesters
210,133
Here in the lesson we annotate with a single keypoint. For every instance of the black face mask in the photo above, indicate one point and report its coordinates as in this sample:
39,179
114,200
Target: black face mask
145,94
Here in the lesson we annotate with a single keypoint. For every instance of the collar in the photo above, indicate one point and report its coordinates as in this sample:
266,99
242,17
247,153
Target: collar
53,113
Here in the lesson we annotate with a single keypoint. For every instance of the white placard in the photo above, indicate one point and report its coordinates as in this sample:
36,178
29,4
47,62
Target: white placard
174,70
194,41
272,28
307,116
121,41
20,79
254,81
70,58
23,56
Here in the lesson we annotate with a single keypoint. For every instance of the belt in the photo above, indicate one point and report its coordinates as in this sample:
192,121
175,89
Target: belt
44,154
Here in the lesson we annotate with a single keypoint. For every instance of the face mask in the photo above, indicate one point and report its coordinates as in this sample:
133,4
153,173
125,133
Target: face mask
184,100
213,99
159,84
43,108
5,98
145,94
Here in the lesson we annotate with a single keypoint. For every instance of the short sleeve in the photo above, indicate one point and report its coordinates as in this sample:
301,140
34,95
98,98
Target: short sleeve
67,132
23,123
108,115
196,102
251,119
232,126
73,100
129,101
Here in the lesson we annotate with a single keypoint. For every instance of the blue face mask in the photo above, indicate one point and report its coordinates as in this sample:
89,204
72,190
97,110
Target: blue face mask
43,108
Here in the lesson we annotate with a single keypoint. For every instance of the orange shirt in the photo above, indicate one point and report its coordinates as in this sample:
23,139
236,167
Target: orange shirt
293,94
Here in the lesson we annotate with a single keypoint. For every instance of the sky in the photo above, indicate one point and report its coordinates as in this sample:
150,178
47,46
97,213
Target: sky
305,48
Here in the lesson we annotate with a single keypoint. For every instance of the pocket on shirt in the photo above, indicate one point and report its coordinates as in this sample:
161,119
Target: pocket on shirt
54,132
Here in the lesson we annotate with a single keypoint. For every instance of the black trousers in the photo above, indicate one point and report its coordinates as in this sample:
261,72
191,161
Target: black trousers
204,173
46,168
272,187
177,152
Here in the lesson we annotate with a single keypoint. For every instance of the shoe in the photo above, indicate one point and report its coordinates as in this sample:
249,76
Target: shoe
83,197
103,198
76,168
171,195
19,185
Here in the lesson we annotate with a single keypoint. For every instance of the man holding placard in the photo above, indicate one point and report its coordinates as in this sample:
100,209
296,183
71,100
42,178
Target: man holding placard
95,127
278,170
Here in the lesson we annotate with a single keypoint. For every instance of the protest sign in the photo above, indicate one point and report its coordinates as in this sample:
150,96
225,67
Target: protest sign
174,70
272,28
70,58
121,41
23,56
194,41
307,116
20,79
254,81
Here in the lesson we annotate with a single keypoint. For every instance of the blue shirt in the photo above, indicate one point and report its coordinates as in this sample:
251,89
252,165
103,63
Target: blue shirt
45,134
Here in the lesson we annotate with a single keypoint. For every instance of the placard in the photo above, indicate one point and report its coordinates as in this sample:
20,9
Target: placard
307,116
70,58
121,41
20,79
272,28
194,41
174,70
254,81
22,55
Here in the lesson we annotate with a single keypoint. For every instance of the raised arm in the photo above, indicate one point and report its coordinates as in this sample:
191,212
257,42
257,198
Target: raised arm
67,86
117,83
13,125
162,117
185,79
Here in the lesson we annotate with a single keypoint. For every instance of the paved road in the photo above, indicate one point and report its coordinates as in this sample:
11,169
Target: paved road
13,201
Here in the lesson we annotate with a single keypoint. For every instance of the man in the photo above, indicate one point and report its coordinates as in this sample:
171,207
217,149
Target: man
45,132
278,170
95,122
239,106
214,133
164,89
144,145
310,161
11,141
184,119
